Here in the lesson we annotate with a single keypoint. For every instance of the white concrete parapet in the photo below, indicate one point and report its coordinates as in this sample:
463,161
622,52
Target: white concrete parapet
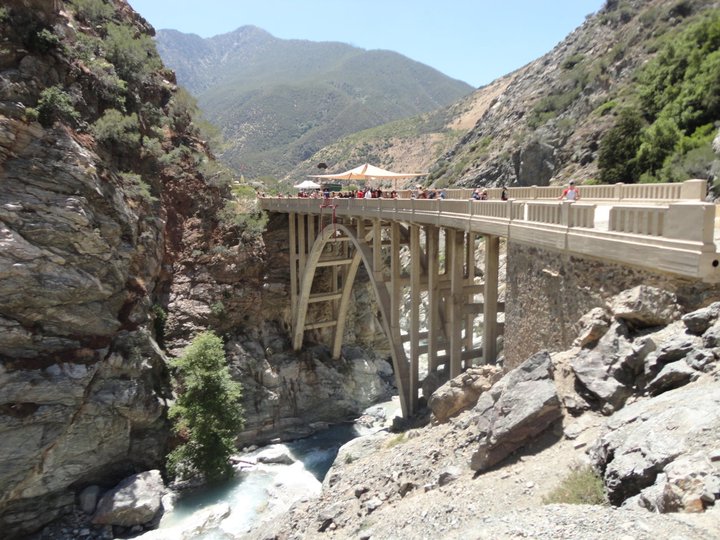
677,237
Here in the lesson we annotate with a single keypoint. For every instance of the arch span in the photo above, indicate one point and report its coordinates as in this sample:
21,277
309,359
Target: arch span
362,253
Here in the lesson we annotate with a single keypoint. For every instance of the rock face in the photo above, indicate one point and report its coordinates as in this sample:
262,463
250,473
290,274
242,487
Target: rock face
651,446
516,410
82,259
284,394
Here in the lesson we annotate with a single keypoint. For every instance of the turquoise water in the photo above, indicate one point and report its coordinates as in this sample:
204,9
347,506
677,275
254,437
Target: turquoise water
264,490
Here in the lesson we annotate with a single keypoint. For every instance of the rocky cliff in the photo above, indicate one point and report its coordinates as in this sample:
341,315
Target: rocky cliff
549,123
114,237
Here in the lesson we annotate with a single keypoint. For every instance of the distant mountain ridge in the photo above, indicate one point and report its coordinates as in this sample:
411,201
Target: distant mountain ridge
279,101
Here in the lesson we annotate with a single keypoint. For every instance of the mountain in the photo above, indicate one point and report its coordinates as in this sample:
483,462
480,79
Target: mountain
408,145
278,101
630,96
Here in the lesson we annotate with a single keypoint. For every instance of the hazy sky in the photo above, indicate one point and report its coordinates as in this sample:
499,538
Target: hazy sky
472,40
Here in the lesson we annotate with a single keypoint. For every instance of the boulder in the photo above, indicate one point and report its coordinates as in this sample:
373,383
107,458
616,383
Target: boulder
689,484
134,501
275,454
463,391
88,499
517,409
645,438
198,525
700,320
671,351
604,370
592,326
672,376
711,337
645,306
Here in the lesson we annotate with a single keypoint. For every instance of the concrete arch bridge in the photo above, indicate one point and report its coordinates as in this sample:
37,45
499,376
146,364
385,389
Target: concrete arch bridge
660,227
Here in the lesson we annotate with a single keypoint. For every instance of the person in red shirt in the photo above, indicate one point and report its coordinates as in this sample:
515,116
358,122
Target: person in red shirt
570,193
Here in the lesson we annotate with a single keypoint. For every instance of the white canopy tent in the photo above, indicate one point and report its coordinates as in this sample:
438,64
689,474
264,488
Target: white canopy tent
367,172
307,184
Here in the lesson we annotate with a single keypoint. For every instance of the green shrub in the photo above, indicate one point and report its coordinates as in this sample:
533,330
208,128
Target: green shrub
581,486
207,413
571,61
4,15
605,108
137,187
182,109
107,85
55,104
31,114
134,57
115,127
93,12
250,221
44,41
218,309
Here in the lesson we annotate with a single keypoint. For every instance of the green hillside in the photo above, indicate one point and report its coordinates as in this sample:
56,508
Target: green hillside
278,102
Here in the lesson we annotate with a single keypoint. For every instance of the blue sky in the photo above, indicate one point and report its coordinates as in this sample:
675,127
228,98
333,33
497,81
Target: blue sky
475,41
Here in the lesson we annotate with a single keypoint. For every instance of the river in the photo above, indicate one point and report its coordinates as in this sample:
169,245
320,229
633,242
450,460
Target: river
263,491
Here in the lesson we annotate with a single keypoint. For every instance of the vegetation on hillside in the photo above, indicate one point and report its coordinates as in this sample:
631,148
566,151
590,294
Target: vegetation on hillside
278,102
665,131
207,413
581,486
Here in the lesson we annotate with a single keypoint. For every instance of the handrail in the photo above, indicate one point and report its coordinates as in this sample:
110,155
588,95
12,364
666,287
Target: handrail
677,237
689,190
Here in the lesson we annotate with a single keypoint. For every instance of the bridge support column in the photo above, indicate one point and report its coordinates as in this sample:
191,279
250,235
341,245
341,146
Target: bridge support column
432,236
490,299
377,251
415,275
455,240
470,281
292,221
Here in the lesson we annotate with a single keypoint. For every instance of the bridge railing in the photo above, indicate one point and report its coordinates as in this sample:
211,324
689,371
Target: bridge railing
691,190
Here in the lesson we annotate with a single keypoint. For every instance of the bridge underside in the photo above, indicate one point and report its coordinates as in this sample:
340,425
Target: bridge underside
430,273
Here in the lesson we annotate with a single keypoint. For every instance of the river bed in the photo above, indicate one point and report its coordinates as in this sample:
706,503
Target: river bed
262,491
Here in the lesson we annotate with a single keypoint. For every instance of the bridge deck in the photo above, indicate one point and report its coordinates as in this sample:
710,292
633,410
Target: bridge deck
674,236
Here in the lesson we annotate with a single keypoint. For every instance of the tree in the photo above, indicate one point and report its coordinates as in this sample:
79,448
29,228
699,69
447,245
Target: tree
207,412
619,147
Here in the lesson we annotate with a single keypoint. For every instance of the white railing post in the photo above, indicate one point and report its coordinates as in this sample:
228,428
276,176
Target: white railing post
694,190
694,222
619,191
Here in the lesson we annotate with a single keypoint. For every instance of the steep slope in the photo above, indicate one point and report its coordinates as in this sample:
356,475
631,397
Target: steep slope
99,184
279,101
635,74
549,125
409,145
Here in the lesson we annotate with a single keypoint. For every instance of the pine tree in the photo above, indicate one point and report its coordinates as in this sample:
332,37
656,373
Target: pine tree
207,412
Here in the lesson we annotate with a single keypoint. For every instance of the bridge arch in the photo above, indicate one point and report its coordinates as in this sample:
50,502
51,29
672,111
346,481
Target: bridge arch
363,252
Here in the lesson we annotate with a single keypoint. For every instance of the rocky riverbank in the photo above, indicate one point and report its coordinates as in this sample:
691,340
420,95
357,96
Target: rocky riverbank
643,413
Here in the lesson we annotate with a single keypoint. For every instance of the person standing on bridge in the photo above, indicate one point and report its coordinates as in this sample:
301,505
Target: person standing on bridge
570,193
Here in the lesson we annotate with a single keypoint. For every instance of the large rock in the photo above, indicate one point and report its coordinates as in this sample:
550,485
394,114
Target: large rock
463,391
647,437
134,501
645,306
592,326
605,370
690,483
700,320
517,409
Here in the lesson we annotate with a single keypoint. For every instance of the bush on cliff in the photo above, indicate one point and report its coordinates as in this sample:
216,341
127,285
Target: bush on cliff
207,412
